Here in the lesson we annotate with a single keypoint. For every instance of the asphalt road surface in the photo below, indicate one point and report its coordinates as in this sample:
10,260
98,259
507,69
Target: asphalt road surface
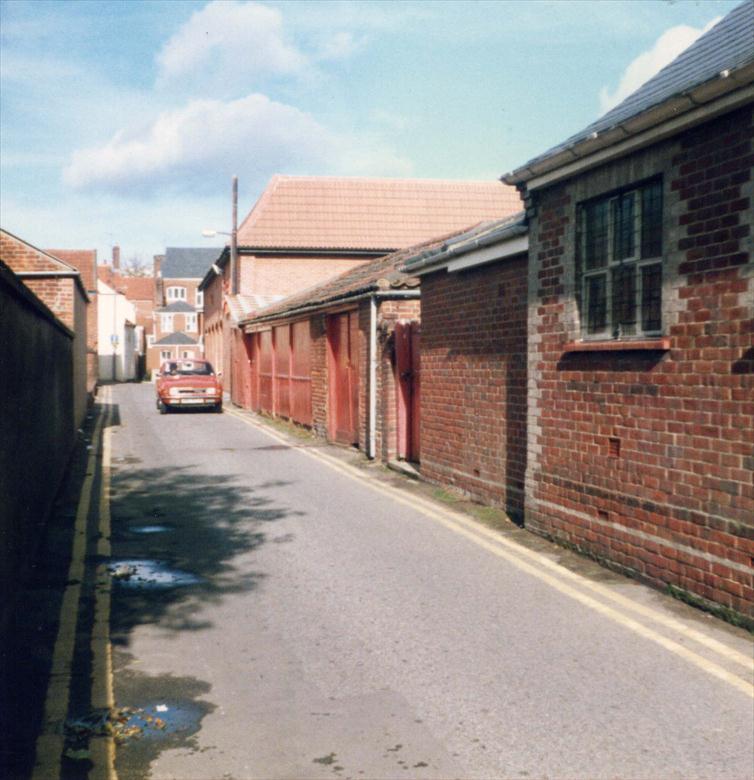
286,619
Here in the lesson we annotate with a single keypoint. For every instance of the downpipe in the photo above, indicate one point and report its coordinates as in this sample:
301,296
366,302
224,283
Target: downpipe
372,377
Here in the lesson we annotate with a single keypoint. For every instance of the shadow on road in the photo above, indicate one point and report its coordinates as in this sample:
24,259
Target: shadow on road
175,537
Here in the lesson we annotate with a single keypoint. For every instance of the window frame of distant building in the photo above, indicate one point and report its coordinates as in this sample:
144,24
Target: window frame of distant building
187,355
199,299
167,322
191,323
166,354
619,258
150,339
175,293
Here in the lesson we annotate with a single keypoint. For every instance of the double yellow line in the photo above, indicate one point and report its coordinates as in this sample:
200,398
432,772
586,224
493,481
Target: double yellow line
593,595
51,741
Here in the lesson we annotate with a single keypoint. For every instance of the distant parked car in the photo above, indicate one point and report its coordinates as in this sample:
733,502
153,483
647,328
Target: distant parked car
187,383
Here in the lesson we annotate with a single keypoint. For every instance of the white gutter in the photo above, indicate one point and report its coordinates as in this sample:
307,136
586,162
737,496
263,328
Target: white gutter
372,377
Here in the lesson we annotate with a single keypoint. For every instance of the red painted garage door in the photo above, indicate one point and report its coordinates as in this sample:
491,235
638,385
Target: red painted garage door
343,370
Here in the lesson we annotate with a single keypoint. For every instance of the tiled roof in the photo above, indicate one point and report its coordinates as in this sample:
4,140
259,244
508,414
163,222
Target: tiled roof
309,212
382,273
729,45
137,288
245,306
176,338
176,306
85,260
188,262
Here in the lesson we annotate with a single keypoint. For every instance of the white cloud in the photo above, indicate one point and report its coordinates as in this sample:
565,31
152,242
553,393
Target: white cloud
667,47
189,148
228,43
338,46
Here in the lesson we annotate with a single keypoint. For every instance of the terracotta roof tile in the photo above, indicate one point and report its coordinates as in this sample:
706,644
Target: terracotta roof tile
357,213
137,288
84,260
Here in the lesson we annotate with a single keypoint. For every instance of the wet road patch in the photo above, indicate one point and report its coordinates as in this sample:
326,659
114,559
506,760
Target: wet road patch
149,574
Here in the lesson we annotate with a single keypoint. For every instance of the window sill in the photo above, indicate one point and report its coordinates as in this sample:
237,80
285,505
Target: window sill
644,345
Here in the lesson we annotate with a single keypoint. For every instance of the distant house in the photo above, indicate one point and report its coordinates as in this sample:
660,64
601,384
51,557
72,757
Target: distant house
140,293
179,303
119,339
305,230
636,342
60,287
85,261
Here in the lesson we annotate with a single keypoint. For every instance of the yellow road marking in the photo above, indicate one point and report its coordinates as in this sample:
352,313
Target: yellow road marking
49,745
474,532
103,749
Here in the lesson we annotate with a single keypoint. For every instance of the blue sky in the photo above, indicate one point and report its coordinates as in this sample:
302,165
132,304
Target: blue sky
122,122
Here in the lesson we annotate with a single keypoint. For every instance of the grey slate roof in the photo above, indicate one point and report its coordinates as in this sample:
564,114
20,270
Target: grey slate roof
176,338
486,234
727,46
188,262
176,306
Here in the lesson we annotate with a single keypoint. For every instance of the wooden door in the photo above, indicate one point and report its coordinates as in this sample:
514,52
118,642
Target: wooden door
343,412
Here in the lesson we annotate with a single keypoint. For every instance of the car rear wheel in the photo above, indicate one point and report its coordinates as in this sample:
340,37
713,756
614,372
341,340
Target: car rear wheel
161,407
218,409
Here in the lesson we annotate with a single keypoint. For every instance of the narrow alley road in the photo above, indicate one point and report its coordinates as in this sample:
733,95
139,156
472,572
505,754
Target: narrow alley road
299,623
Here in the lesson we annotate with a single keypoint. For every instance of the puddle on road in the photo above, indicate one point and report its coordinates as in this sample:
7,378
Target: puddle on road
149,529
140,573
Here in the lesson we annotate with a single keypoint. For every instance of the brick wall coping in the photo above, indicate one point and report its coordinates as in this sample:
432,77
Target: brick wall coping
19,290
658,345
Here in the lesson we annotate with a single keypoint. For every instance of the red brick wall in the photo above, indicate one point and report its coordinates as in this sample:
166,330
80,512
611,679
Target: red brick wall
473,365
645,458
287,275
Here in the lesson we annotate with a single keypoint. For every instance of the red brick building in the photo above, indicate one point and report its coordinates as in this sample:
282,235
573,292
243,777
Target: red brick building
342,358
60,287
638,340
641,337
178,308
85,260
473,362
305,230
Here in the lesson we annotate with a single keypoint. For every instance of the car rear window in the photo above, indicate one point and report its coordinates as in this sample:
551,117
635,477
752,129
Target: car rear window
189,368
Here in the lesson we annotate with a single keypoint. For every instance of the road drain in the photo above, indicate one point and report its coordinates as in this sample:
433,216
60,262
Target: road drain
141,573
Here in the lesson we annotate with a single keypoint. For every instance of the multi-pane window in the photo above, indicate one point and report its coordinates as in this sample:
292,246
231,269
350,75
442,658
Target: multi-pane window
199,299
619,249
176,293
166,354
166,323
191,323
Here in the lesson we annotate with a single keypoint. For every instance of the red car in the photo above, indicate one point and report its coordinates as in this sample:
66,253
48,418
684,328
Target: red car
187,383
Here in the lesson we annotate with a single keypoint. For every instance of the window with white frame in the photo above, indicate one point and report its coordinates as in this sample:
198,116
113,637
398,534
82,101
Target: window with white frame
619,251
176,293
191,323
199,299
166,322
166,354
150,340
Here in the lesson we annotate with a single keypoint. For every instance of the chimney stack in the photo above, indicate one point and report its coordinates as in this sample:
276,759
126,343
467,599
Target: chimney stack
116,258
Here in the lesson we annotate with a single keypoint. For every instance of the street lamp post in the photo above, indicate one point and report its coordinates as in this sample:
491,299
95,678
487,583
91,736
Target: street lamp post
233,239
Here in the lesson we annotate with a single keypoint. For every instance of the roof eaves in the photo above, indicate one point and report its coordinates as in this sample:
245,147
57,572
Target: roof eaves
478,238
701,98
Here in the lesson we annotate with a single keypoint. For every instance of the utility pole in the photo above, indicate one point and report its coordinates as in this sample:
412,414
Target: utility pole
234,241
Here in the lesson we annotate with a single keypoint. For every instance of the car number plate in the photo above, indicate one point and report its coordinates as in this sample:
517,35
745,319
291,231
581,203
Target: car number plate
193,401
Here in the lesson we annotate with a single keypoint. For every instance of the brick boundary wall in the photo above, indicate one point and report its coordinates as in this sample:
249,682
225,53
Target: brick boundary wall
473,364
38,431
645,459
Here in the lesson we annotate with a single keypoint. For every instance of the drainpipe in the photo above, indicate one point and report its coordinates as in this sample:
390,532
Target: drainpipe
372,376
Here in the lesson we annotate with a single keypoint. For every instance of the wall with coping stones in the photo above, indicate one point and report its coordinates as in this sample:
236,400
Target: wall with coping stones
676,505
38,434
